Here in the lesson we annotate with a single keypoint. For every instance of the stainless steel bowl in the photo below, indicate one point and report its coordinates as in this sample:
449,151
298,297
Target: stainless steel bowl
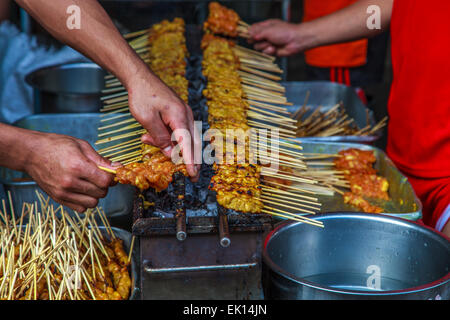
67,88
356,256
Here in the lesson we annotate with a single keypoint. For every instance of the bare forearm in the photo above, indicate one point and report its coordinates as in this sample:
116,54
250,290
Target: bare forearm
14,148
97,37
347,24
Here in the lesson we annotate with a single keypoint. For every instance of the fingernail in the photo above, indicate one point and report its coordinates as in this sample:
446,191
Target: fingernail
116,164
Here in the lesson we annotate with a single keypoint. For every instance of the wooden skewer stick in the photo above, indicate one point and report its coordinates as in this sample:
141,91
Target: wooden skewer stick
263,99
257,84
260,73
125,128
267,106
122,115
110,154
265,92
120,145
293,188
272,113
297,114
131,249
122,136
107,113
115,89
284,205
258,53
120,123
259,79
270,189
253,57
260,66
319,163
282,202
287,177
135,34
291,216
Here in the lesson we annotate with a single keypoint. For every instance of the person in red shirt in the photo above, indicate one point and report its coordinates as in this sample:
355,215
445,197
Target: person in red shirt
419,103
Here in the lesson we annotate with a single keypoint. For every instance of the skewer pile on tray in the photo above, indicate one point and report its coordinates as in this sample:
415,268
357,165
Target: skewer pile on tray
163,48
334,122
51,258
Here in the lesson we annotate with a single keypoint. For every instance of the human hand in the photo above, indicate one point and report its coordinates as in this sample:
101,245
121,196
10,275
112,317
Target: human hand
161,112
277,37
66,168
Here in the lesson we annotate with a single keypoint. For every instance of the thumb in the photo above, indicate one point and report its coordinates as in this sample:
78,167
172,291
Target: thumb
93,156
158,135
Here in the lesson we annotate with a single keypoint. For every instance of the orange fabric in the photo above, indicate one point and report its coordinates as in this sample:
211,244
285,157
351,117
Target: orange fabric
344,55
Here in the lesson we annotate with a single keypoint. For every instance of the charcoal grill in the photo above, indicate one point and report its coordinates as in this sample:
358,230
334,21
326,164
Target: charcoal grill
201,266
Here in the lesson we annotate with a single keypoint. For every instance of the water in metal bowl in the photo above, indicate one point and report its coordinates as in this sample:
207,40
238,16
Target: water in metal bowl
67,88
356,256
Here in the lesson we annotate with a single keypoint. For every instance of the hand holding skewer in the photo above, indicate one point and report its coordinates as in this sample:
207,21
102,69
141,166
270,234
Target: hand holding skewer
161,112
66,168
277,37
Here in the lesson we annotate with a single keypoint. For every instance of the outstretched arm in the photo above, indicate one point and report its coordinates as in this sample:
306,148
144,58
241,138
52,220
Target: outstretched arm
283,39
64,167
152,103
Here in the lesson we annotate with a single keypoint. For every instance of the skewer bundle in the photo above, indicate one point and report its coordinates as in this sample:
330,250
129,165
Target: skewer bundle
163,48
237,184
334,122
65,258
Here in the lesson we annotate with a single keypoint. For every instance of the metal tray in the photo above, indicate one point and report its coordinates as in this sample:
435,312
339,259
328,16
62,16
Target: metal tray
404,202
119,201
327,94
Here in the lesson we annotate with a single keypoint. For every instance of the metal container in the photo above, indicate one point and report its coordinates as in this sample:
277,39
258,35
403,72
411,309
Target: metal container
67,88
119,201
356,256
327,94
403,202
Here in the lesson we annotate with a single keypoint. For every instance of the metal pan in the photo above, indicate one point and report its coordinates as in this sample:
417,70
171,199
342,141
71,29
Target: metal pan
67,88
327,94
356,256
